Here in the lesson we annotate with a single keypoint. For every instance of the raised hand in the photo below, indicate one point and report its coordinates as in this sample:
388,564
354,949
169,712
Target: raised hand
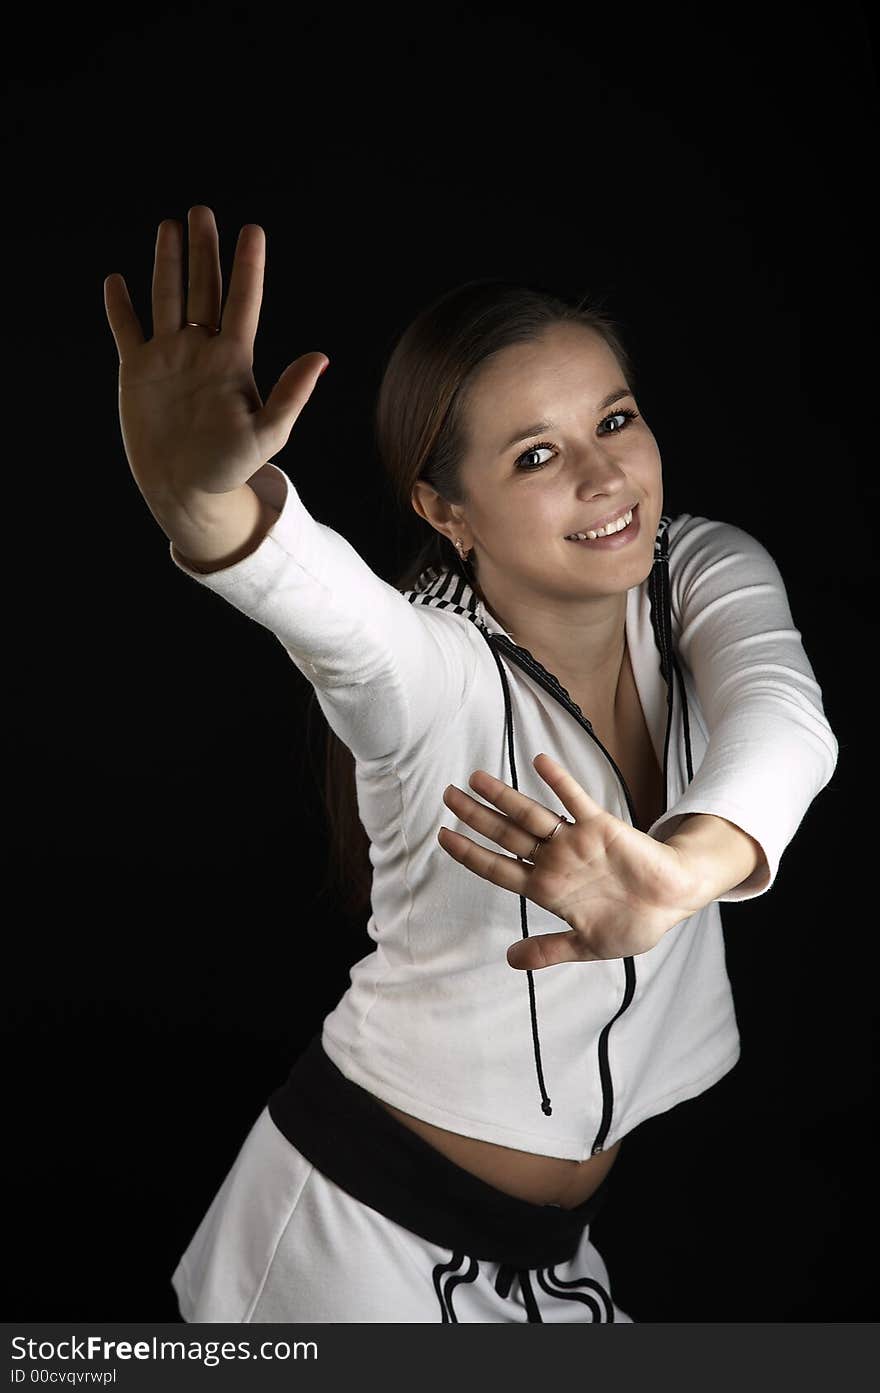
193,422
618,889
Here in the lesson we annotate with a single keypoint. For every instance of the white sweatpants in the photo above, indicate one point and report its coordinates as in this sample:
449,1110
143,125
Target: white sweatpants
281,1242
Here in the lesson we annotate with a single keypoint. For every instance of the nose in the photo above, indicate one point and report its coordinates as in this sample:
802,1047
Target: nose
599,476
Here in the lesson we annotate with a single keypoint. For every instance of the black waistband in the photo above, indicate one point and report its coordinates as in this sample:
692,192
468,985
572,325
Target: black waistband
353,1141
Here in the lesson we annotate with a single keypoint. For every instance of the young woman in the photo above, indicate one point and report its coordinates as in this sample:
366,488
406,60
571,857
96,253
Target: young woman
626,697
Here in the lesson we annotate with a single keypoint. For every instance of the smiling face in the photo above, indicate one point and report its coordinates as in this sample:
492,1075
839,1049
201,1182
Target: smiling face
584,458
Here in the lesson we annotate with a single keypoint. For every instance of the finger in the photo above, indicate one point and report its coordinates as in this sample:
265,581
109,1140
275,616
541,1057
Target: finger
567,789
167,290
205,287
505,871
525,811
545,950
488,822
124,323
242,312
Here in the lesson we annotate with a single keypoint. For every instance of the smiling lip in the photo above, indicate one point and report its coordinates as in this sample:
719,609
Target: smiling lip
609,517
615,540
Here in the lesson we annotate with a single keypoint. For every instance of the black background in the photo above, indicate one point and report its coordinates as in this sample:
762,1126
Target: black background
167,952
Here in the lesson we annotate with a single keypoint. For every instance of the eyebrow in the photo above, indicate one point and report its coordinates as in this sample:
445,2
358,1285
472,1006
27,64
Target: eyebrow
539,426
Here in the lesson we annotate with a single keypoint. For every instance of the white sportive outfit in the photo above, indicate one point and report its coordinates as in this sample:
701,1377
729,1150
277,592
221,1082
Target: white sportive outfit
424,687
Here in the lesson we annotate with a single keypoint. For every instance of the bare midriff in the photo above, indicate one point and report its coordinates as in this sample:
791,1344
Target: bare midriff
539,1179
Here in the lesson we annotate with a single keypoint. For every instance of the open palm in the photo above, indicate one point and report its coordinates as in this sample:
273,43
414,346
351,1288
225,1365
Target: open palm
618,889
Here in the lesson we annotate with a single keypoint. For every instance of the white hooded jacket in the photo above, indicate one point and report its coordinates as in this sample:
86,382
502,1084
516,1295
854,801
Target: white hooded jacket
424,687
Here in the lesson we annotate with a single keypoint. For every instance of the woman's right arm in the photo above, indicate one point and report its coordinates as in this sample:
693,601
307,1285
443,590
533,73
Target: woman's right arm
236,525
389,676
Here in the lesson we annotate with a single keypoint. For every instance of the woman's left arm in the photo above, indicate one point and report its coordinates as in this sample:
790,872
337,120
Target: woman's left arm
771,749
721,855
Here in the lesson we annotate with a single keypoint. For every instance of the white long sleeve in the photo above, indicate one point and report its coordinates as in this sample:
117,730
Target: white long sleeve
771,749
388,679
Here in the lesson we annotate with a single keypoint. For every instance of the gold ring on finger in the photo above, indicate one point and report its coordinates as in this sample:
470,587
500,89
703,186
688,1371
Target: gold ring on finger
548,838
552,834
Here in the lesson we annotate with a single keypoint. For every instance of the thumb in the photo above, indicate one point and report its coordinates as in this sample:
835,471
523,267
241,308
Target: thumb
289,396
545,950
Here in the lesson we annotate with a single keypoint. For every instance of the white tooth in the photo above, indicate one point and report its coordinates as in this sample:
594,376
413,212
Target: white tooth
610,528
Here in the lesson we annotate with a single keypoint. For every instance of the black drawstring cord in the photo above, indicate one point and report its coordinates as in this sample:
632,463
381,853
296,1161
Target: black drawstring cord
658,589
668,662
687,727
687,724
508,725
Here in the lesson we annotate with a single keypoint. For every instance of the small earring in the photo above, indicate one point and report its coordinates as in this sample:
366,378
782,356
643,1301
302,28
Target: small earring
458,543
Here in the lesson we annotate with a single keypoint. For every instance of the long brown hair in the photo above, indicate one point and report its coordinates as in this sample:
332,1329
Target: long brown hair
419,428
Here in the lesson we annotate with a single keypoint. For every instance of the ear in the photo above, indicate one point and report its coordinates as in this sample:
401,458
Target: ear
444,516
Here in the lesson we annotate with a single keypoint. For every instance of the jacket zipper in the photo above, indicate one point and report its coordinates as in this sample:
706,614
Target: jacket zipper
551,684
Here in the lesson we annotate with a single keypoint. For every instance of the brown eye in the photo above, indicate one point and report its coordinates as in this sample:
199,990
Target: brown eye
628,415
533,451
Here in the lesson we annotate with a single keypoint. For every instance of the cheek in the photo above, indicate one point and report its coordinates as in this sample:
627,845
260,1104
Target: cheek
646,473
516,517
651,465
